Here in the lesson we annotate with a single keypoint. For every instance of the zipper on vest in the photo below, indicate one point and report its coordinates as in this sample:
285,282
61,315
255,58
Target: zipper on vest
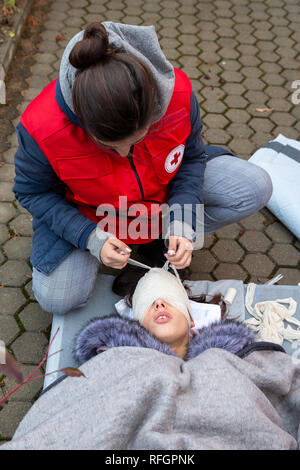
130,158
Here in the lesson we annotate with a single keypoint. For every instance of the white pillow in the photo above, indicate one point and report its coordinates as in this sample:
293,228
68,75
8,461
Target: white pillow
281,159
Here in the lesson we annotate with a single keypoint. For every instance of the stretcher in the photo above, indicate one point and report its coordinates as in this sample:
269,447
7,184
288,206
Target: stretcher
103,303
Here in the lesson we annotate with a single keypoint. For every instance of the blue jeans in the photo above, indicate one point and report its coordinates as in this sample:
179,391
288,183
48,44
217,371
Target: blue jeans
233,189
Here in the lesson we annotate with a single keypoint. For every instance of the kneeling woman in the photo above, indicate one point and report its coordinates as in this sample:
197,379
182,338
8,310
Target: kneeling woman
162,320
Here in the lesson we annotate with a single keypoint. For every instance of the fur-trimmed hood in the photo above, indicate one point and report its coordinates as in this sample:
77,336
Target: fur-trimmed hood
113,331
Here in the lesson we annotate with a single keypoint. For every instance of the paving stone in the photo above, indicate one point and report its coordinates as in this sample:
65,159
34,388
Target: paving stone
32,93
203,261
74,21
242,146
11,300
230,231
6,194
228,250
276,91
278,233
255,221
234,89
258,264
249,60
54,25
100,8
195,276
14,273
279,104
240,131
217,136
291,277
289,132
209,240
18,248
28,290
279,118
38,81
269,67
7,211
238,115
261,124
235,101
255,241
30,347
9,329
56,15
22,224
286,255
11,415
4,234
7,172
230,271
29,390
21,209
34,318
216,121
189,61
9,155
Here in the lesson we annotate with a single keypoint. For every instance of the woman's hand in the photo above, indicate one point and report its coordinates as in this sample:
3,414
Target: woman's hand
182,250
111,256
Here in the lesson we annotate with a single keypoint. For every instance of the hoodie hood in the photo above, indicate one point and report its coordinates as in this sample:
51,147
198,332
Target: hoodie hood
140,41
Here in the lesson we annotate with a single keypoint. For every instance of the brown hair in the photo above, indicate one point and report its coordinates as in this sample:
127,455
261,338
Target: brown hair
124,285
113,92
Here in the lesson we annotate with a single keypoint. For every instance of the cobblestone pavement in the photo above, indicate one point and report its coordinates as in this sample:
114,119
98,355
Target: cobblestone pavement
240,55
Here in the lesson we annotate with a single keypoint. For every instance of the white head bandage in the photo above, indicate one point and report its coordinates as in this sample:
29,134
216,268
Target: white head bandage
159,283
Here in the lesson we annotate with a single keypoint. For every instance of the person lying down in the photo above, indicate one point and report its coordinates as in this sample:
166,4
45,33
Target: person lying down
162,320
234,393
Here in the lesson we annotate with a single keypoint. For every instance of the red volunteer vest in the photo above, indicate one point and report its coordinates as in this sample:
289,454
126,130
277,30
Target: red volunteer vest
131,188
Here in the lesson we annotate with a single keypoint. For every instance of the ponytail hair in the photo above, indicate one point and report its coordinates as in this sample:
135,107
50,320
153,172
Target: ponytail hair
113,92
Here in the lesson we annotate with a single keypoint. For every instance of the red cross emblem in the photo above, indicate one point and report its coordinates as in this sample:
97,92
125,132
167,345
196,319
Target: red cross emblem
174,158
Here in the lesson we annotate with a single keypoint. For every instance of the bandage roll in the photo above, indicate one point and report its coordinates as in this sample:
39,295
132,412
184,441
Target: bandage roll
230,296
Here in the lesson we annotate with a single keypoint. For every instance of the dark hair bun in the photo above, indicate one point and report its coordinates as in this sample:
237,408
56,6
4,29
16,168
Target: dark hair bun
93,48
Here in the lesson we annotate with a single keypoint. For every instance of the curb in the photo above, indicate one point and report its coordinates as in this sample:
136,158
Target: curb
8,50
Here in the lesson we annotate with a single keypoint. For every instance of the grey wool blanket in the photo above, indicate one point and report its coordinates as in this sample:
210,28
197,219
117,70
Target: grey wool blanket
138,398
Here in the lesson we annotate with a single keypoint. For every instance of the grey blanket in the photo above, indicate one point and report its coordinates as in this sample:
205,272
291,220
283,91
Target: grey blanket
136,398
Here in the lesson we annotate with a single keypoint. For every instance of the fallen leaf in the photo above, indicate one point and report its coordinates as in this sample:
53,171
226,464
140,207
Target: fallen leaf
264,110
60,37
72,372
33,21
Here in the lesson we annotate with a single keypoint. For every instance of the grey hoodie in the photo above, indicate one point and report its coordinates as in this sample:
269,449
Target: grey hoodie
142,42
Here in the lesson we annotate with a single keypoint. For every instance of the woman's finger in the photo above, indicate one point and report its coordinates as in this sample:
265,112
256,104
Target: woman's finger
119,245
184,262
181,250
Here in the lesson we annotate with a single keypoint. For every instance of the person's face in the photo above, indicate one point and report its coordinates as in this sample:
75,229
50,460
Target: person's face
122,147
166,323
